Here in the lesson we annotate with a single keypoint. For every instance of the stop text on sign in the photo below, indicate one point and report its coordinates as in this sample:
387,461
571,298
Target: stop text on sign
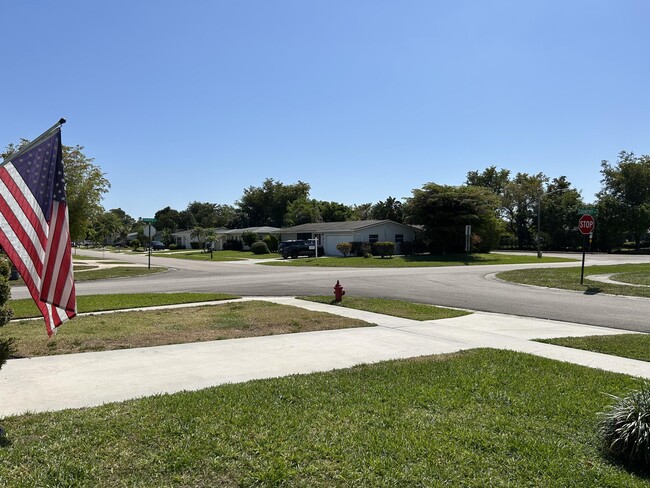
586,224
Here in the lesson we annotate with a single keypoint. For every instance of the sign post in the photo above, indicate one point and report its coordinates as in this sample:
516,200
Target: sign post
586,226
150,230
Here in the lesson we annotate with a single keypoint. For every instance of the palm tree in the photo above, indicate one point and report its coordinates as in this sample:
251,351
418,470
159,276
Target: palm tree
198,234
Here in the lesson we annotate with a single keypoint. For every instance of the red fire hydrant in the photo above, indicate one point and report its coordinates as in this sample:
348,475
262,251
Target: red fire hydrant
338,292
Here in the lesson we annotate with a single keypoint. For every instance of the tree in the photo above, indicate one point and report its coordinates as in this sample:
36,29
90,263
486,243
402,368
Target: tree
168,218
559,215
444,211
626,190
391,209
267,205
519,205
198,234
85,186
491,178
302,211
107,227
204,213
361,212
334,211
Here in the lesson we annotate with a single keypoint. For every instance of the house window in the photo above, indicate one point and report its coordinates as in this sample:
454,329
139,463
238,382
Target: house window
373,238
303,236
399,238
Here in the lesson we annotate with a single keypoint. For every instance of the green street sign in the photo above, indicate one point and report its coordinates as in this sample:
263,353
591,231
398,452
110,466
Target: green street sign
588,211
150,221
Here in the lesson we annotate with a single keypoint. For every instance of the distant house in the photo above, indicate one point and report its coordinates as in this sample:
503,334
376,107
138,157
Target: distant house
329,234
184,239
262,232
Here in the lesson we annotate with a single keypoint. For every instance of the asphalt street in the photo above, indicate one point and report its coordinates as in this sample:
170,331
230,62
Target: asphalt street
470,287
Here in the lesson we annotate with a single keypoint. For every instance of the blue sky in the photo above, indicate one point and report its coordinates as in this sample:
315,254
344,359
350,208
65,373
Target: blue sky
197,100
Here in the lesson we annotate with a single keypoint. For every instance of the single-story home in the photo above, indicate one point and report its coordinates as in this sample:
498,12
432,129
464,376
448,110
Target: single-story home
262,232
329,234
184,238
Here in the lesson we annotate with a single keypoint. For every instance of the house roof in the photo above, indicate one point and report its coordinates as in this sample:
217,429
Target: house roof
257,230
347,226
181,233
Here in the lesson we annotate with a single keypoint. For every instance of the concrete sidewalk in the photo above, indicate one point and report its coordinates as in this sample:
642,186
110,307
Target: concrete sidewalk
89,379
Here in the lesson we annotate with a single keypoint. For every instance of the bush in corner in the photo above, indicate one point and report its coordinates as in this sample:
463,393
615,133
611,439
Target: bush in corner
625,429
383,249
271,242
6,345
344,248
259,247
249,238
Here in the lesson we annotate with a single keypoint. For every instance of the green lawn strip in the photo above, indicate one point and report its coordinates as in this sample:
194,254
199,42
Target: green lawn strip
216,255
632,346
161,327
477,418
24,308
83,267
395,308
569,278
633,278
416,261
101,274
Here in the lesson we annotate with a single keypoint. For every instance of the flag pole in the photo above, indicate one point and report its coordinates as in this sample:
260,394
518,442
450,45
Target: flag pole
35,142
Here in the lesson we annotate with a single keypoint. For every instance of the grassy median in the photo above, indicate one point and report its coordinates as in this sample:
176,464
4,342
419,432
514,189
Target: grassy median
125,330
569,278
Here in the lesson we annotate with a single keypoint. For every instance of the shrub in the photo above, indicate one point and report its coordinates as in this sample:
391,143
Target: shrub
249,238
173,247
195,245
344,248
360,249
233,245
409,248
259,247
135,244
6,345
271,242
383,249
625,429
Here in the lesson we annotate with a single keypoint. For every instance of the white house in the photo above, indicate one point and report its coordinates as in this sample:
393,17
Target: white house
184,238
329,234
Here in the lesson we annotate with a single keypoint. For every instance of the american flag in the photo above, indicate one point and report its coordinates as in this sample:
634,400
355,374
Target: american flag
34,229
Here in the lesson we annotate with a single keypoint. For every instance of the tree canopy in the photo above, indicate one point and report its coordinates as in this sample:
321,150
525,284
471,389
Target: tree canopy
626,193
444,211
267,204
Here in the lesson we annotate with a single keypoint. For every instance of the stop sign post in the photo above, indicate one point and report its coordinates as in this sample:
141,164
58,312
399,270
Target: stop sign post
586,226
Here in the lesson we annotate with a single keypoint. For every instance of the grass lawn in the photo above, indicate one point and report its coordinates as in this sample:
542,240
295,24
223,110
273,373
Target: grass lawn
415,261
156,328
478,418
216,255
25,307
633,346
102,274
396,308
569,278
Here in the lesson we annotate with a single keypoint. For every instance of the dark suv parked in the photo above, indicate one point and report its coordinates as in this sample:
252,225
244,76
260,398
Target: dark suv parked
297,248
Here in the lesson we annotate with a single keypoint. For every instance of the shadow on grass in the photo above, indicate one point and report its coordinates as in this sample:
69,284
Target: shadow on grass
4,442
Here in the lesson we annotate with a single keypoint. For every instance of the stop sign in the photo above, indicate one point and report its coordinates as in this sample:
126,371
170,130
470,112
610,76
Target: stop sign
586,224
